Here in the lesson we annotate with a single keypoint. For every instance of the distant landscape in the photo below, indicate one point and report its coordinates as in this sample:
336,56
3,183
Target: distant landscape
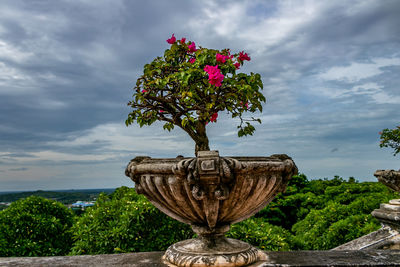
64,196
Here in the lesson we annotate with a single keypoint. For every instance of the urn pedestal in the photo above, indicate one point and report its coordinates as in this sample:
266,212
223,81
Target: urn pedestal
210,193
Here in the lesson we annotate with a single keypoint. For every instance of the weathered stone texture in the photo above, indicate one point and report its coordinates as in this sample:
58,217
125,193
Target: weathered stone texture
278,259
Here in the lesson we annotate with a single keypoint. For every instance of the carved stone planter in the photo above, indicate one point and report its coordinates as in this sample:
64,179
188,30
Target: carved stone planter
210,193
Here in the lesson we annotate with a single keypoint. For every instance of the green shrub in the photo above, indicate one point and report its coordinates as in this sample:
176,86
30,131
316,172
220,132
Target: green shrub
35,226
125,222
261,234
339,223
348,229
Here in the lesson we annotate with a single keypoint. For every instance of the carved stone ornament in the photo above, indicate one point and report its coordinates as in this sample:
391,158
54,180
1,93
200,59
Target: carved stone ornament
210,193
390,178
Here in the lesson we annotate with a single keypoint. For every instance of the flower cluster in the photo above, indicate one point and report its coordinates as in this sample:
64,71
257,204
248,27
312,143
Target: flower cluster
243,56
222,58
215,76
171,40
191,46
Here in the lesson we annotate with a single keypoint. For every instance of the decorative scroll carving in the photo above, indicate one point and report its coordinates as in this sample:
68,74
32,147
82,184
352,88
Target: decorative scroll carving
208,169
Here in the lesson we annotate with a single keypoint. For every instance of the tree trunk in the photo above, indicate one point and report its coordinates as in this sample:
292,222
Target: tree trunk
199,136
202,146
201,139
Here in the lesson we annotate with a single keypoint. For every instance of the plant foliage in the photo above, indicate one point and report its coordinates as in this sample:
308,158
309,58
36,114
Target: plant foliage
391,138
125,222
35,226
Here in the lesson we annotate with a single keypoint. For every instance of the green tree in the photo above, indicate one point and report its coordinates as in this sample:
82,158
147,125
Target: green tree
391,138
35,226
292,205
125,222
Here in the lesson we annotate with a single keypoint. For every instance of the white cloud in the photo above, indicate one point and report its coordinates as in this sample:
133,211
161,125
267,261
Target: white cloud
373,90
116,140
358,71
277,119
352,73
236,22
13,81
10,52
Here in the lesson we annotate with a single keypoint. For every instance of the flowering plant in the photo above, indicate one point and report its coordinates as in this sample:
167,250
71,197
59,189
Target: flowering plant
189,85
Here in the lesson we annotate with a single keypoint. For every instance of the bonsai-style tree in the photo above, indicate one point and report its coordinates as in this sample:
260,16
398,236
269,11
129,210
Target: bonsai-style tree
189,85
391,138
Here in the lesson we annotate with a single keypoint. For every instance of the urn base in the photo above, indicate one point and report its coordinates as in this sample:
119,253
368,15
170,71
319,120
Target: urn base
225,252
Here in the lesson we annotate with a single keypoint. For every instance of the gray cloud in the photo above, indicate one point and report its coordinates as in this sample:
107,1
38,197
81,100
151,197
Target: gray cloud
18,169
67,69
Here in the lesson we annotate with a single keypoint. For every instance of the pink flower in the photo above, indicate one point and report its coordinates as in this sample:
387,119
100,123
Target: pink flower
144,91
171,40
214,75
237,65
221,58
243,56
162,111
245,105
192,60
192,47
214,117
183,40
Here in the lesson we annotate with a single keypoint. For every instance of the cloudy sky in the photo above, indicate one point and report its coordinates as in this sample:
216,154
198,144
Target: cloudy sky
330,71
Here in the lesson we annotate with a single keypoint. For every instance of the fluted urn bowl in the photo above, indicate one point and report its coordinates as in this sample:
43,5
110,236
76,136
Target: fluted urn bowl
210,193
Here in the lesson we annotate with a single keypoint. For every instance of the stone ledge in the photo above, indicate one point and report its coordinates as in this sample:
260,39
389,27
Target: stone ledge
280,259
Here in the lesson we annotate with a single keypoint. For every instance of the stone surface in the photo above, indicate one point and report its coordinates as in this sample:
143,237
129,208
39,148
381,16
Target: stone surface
389,214
226,252
380,239
390,207
210,193
394,202
281,259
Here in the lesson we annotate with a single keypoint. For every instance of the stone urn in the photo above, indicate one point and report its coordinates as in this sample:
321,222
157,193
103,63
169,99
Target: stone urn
210,193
